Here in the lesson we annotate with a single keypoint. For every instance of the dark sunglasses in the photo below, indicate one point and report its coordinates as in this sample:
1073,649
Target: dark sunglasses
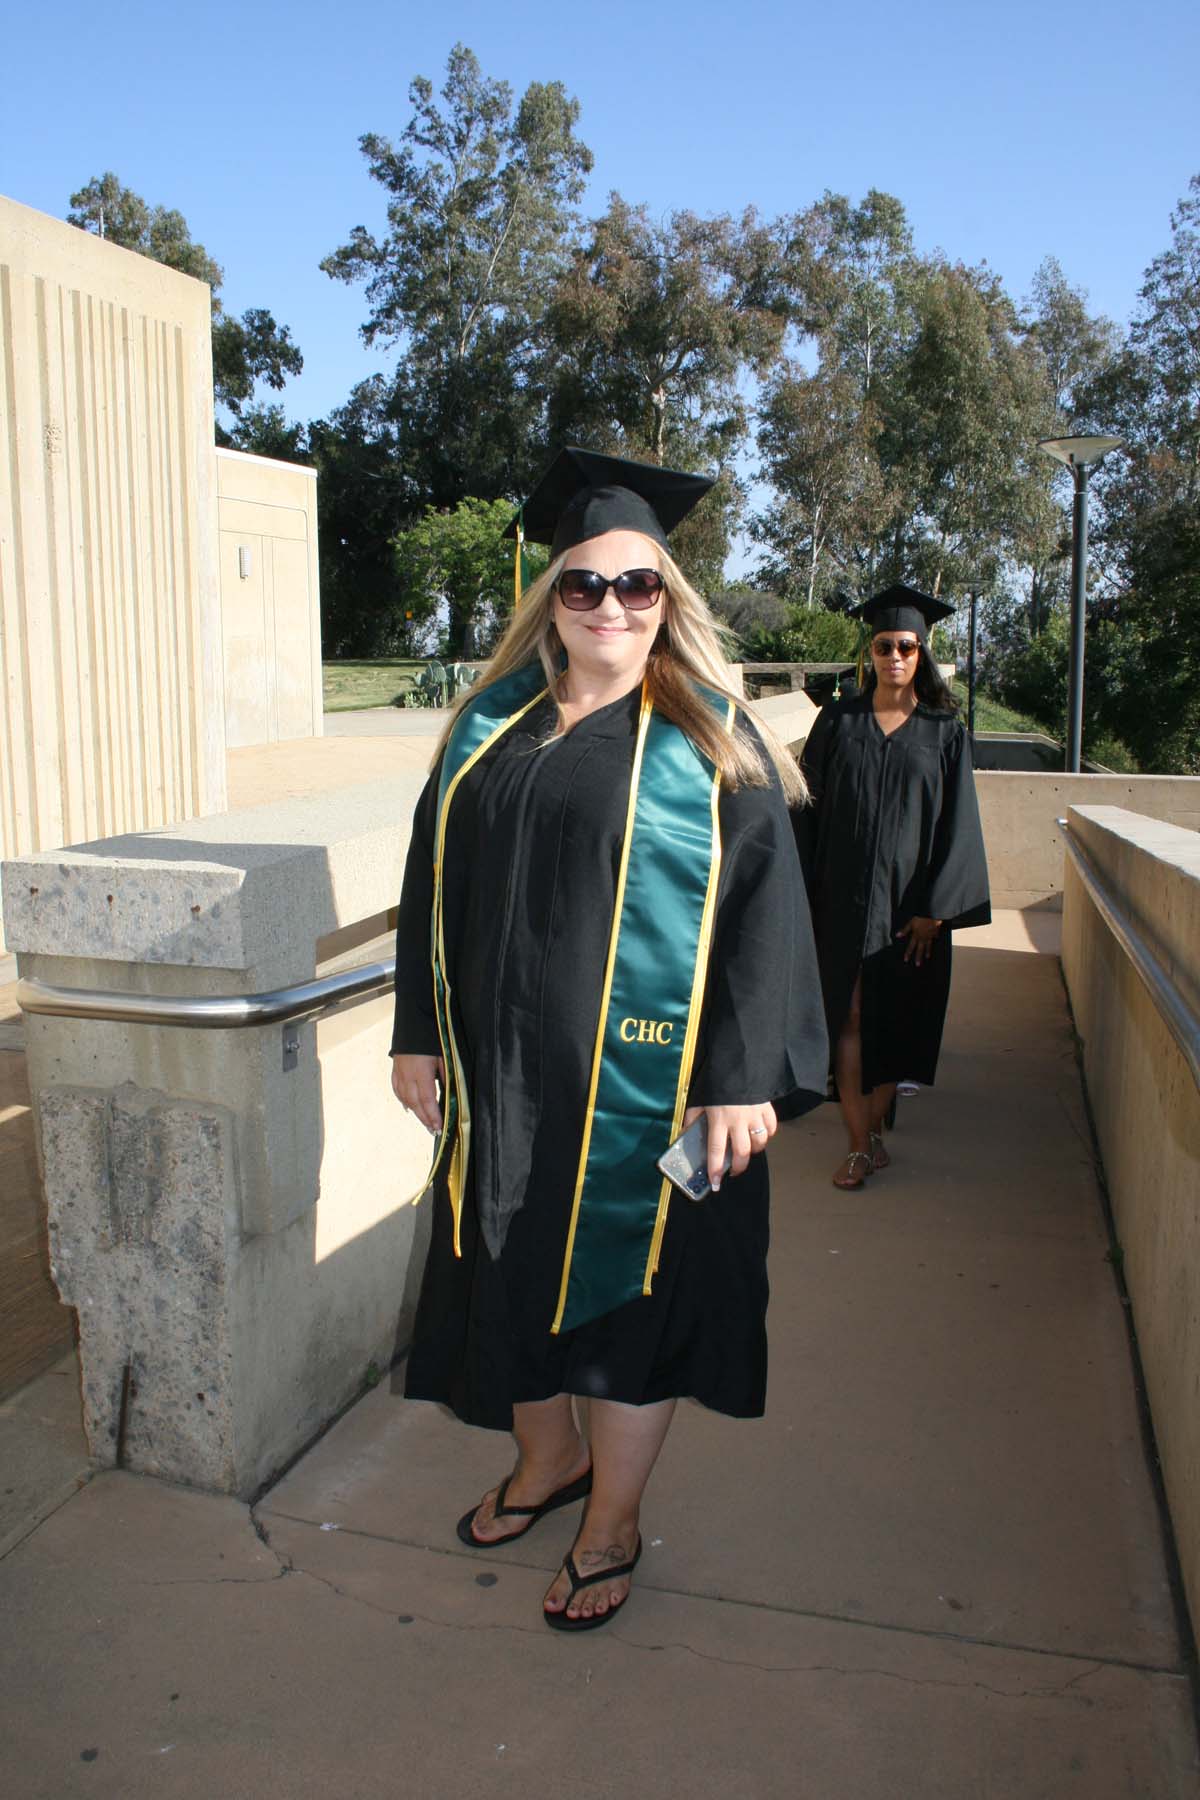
582,589
902,646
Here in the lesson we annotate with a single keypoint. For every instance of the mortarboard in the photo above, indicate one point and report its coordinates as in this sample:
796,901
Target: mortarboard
901,608
583,494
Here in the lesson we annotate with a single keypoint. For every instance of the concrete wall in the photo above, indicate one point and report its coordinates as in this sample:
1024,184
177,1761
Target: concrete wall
1146,1108
111,686
270,599
790,716
235,1233
1024,844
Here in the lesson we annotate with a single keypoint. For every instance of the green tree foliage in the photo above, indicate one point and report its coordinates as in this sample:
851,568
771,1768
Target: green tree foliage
846,271
1150,503
846,276
818,441
364,497
457,559
1074,347
906,452
654,324
480,213
267,431
245,351
122,217
1142,684
959,433
652,329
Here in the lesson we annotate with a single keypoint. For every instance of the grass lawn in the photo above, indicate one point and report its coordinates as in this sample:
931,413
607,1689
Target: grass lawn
991,716
352,685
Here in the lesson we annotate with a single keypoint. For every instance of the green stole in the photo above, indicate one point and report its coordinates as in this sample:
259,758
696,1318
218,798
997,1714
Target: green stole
650,1004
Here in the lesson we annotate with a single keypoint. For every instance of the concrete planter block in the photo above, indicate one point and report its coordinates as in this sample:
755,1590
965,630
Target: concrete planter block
143,1221
237,1234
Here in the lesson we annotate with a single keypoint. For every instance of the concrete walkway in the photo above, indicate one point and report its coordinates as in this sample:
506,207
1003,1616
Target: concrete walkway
935,1571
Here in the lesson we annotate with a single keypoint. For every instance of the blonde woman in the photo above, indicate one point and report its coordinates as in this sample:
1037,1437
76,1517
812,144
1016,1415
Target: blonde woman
619,939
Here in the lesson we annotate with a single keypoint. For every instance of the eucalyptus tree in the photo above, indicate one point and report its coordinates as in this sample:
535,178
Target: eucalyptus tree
245,350
654,324
1150,502
480,219
960,437
654,329
846,271
846,274
818,446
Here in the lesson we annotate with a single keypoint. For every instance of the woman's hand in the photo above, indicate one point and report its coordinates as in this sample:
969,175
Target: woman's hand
920,934
744,1129
415,1085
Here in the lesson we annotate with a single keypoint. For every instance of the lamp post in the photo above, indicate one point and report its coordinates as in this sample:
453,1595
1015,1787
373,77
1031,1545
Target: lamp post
1078,454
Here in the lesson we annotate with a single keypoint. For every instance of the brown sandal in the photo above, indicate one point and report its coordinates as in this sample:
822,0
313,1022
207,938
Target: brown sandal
853,1172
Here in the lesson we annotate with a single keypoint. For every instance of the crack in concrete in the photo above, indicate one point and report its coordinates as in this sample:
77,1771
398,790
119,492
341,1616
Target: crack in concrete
768,1668
959,1640
726,1662
217,1581
1041,1692
291,1567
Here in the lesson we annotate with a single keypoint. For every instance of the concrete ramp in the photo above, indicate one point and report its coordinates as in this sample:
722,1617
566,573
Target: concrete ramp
935,1571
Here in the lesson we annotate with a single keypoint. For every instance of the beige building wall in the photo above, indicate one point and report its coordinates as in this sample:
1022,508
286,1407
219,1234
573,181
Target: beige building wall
270,599
111,685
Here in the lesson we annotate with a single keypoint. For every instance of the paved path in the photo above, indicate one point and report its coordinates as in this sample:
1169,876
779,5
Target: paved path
387,721
933,1572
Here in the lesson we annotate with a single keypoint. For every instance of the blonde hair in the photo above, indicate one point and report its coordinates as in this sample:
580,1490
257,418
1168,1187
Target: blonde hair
689,649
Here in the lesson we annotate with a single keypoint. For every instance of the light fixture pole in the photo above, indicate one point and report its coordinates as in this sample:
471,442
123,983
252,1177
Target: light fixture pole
1078,454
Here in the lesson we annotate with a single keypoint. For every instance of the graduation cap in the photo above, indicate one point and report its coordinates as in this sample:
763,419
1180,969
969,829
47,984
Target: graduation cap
901,608
583,494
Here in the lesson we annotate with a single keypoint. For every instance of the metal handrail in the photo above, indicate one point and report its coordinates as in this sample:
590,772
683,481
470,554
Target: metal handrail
217,1012
1173,1009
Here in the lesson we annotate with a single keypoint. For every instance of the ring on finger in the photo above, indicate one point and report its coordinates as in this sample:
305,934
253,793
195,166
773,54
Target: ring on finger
758,1131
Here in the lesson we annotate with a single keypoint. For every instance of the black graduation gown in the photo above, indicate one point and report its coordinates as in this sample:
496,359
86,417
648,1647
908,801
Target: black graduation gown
531,859
893,834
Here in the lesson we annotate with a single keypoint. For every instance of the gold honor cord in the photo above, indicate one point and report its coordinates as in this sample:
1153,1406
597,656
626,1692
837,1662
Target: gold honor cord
454,1090
699,985
597,1052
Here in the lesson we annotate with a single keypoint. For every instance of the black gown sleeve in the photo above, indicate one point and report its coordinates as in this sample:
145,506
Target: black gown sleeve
763,1034
414,1031
956,881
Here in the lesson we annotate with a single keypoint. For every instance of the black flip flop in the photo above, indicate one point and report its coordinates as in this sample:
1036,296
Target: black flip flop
563,1496
558,1621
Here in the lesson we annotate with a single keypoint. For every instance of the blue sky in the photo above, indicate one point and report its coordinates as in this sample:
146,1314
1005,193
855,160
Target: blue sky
1009,133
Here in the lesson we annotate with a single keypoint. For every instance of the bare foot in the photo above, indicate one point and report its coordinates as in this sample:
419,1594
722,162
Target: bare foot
598,1597
527,1487
879,1156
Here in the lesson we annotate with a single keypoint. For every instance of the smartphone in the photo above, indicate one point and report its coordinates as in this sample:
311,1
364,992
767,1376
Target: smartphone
685,1163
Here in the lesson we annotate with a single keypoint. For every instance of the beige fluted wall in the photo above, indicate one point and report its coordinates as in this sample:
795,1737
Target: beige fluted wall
111,679
270,599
